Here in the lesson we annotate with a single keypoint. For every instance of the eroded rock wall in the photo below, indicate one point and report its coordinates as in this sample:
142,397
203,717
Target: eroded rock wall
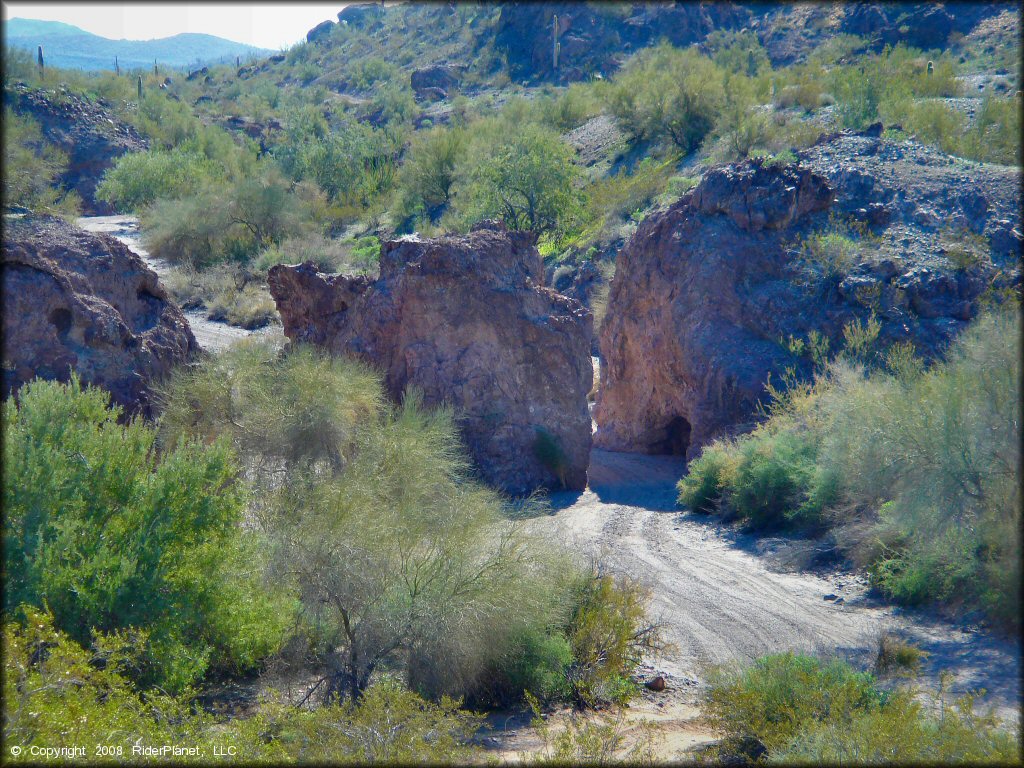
707,294
464,319
83,302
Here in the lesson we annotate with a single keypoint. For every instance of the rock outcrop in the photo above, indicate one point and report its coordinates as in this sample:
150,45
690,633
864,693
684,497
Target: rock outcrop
83,302
437,78
91,136
321,31
707,294
464,319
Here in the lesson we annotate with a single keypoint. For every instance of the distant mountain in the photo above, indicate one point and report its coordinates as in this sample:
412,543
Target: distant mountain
68,46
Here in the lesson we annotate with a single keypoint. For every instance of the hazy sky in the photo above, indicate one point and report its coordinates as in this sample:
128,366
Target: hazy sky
267,25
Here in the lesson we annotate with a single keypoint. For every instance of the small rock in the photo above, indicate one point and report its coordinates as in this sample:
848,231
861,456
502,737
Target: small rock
657,684
830,597
840,601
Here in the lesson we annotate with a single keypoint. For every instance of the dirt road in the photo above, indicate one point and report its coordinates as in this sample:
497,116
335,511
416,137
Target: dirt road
720,599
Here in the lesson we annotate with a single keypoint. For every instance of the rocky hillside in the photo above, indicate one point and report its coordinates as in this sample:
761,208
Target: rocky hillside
87,131
734,283
84,303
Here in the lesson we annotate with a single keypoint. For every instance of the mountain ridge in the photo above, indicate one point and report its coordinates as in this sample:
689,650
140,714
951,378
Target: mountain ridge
65,45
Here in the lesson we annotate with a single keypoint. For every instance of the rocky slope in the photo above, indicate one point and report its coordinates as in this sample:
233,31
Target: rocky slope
77,301
464,319
91,136
708,293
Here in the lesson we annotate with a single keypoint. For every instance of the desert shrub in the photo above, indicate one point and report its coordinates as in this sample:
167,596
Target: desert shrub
801,709
56,692
898,655
31,168
427,177
352,164
249,307
774,481
356,256
609,633
389,725
777,697
994,136
366,72
946,461
834,249
538,663
708,476
614,198
572,107
392,103
225,223
671,94
524,175
737,52
913,470
139,178
436,583
108,534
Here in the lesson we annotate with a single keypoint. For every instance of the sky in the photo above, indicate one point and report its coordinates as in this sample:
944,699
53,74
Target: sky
266,25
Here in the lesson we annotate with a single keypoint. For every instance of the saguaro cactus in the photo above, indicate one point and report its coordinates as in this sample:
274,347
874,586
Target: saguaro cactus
931,67
554,42
140,88
39,59
117,67
155,70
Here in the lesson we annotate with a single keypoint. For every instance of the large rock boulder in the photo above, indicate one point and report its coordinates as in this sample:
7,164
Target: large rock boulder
320,32
708,294
91,136
466,321
438,77
83,302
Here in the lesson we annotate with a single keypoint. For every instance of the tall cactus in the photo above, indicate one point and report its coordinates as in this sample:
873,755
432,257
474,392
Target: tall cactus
140,88
39,60
117,67
155,70
554,42
931,67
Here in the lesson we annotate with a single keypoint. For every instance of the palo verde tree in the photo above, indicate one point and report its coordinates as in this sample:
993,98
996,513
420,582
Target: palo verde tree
397,559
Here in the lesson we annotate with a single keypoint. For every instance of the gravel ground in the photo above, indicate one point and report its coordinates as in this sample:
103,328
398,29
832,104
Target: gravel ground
721,600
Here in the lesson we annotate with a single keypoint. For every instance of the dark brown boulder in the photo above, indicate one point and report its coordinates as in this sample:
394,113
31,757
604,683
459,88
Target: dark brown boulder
466,321
439,76
83,302
320,32
707,294
91,136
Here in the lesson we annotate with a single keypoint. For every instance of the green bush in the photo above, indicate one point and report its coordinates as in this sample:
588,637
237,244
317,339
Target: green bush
671,94
31,168
913,470
57,693
523,175
109,534
427,177
436,584
801,709
707,478
139,178
609,633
